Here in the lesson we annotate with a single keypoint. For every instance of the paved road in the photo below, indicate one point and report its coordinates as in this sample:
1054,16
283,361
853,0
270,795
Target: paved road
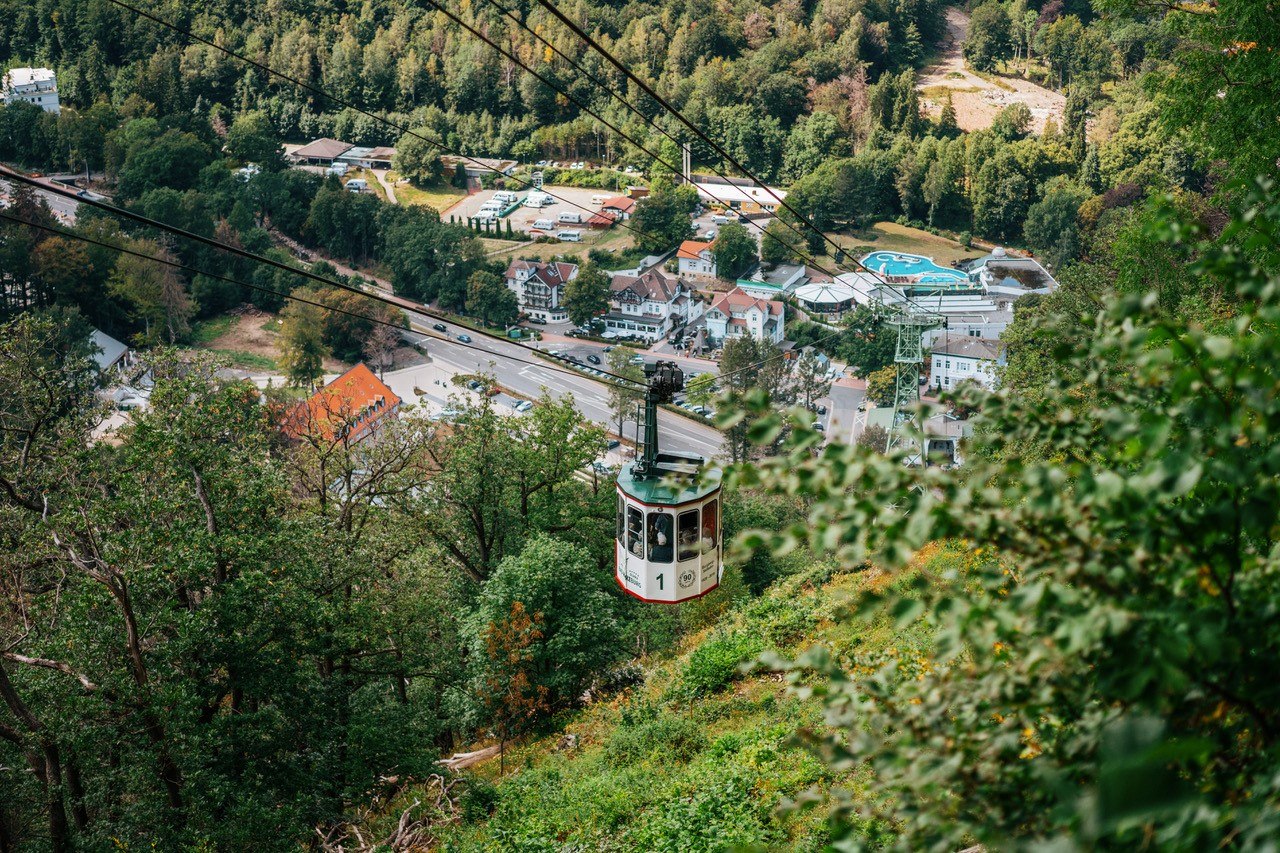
63,208
497,357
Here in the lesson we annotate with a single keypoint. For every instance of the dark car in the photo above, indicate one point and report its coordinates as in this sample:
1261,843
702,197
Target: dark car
440,327
593,358
613,443
608,349
822,410
466,339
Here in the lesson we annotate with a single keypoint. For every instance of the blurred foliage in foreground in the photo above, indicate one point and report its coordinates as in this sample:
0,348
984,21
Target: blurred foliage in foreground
1103,671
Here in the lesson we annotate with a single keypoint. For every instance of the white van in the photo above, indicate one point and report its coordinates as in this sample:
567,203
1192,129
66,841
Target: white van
491,205
543,225
504,197
570,236
571,217
338,169
599,199
538,200
720,219
356,185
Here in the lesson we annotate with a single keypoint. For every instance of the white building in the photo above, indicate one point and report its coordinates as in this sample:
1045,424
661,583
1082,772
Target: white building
539,288
742,195
696,260
738,313
956,358
651,305
37,86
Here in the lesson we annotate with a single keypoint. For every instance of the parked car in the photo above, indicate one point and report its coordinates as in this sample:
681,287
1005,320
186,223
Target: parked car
466,339
523,406
637,359
720,219
819,427
709,234
541,321
601,468
569,236
474,385
440,327
593,358
822,410
613,444
608,349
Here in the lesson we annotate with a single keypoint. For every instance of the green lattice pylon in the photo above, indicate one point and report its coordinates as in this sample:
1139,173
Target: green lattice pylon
907,358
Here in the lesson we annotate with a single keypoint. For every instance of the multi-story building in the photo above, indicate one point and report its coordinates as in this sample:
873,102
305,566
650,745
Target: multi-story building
539,288
350,408
696,260
738,313
37,86
955,358
651,305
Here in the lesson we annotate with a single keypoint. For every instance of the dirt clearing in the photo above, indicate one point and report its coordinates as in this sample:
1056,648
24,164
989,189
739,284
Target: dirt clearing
977,100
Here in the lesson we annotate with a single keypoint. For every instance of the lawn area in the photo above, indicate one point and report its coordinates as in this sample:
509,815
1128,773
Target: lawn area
440,196
249,340
893,237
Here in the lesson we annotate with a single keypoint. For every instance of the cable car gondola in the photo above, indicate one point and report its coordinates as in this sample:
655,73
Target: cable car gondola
668,536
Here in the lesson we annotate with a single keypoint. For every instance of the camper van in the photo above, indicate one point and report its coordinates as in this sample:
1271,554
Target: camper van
720,219
571,217
492,204
569,236
599,199
543,225
337,169
538,200
357,185
504,198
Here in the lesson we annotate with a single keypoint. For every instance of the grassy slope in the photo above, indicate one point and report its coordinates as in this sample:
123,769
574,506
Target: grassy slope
699,756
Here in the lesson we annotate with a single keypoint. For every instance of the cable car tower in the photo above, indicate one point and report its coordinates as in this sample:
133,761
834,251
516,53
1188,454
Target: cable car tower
908,356
668,545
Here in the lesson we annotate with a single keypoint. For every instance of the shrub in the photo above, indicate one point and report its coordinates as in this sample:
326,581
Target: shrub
659,736
715,664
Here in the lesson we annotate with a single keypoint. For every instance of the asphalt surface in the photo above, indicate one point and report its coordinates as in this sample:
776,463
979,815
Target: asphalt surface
63,208
530,375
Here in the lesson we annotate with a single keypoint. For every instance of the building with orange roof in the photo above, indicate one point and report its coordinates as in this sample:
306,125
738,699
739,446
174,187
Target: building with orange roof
738,313
696,260
349,408
620,206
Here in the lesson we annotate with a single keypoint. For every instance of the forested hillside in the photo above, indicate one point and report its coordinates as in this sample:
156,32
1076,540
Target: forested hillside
220,632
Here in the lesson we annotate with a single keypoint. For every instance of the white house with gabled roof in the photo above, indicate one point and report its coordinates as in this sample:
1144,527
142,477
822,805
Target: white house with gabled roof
539,287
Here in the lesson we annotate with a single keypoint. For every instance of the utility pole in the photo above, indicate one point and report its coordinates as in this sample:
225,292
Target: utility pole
686,162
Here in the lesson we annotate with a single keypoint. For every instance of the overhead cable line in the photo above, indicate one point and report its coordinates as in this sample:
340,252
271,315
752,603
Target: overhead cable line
124,250
586,37
348,105
587,109
394,301
809,260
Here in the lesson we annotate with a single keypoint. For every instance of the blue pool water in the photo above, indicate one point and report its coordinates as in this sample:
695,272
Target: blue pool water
919,267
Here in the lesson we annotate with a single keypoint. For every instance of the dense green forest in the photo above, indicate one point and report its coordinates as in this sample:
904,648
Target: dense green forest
213,639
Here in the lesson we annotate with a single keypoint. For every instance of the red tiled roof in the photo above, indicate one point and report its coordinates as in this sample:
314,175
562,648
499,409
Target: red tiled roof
690,249
352,404
602,219
620,203
739,300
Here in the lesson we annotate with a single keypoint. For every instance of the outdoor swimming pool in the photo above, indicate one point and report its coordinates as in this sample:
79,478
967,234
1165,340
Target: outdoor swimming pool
918,267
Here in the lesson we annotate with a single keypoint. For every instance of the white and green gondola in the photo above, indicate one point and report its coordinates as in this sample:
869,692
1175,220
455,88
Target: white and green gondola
668,529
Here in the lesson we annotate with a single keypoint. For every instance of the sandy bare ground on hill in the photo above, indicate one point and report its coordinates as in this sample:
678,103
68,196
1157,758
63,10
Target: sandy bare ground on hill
248,333
977,100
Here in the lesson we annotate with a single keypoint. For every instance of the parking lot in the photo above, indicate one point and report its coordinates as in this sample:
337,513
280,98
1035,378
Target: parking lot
705,223
524,217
